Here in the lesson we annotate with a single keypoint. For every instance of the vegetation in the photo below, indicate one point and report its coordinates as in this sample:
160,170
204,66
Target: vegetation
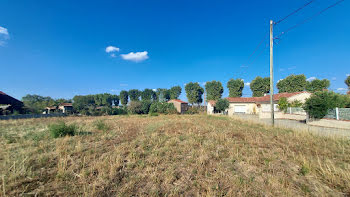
135,107
61,130
194,93
36,103
162,108
317,85
214,90
235,87
292,83
221,105
283,104
148,95
320,103
347,82
260,86
134,94
163,95
169,156
124,97
175,92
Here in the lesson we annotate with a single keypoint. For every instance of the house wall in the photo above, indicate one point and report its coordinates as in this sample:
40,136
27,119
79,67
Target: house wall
210,109
180,107
299,97
251,108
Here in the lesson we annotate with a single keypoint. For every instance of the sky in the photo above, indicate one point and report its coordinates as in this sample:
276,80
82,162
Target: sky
66,48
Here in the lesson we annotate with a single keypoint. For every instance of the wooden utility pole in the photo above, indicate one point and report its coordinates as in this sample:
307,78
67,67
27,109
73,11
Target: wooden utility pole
271,75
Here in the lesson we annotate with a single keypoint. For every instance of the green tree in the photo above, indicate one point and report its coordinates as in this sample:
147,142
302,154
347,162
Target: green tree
221,105
36,103
163,94
214,90
135,107
235,87
124,97
320,103
194,93
347,82
317,85
283,104
175,92
292,83
134,95
147,95
260,86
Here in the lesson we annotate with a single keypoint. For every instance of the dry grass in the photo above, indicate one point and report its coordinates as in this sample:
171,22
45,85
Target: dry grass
169,156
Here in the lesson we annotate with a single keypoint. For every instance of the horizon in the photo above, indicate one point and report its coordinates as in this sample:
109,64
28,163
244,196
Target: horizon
107,47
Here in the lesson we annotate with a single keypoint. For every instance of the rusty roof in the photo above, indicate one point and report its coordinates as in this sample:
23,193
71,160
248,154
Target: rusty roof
178,100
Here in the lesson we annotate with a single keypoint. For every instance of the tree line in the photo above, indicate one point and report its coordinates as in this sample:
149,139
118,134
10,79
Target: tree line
194,93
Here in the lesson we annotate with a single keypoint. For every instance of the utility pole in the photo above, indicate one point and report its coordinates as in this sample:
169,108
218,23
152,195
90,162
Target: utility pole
271,75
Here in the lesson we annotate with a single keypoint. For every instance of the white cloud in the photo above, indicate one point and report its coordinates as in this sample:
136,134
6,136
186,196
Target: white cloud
113,55
111,49
342,89
135,57
311,79
123,84
247,84
334,78
292,68
4,31
155,90
347,75
279,80
4,35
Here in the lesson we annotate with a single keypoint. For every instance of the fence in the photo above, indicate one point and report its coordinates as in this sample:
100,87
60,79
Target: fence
25,116
295,110
339,114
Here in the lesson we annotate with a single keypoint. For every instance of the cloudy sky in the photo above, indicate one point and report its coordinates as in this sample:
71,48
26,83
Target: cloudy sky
64,48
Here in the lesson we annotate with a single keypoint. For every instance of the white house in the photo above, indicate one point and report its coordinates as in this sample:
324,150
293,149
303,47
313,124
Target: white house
257,105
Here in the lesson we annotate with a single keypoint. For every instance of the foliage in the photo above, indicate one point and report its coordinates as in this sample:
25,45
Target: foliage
175,92
214,90
347,81
221,105
235,87
61,129
163,94
163,108
135,107
124,97
101,125
87,104
317,85
148,95
36,103
134,95
283,104
292,83
193,110
260,86
194,93
320,103
145,106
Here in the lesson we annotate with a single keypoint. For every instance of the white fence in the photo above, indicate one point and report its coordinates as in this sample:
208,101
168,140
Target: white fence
339,114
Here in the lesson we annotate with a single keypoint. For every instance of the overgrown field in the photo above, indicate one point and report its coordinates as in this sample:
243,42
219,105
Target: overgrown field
169,156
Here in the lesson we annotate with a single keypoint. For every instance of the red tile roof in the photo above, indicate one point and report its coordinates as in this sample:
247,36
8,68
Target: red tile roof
177,100
212,102
66,104
2,93
276,97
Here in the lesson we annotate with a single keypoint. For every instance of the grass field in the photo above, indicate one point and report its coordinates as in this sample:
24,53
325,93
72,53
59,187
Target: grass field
169,156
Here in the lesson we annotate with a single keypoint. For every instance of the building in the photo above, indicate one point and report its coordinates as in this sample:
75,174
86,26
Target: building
9,104
181,106
66,107
257,105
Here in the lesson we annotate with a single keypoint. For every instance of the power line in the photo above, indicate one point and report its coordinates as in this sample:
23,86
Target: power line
257,49
294,12
309,19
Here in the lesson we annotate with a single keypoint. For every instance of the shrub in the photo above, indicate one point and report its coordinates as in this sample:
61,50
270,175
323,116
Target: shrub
192,110
163,108
320,103
61,130
101,125
221,105
145,106
135,107
283,104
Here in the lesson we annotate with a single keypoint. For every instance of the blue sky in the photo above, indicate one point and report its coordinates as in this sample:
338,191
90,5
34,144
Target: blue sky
58,48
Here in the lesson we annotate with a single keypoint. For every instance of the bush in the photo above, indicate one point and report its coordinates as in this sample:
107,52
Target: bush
320,103
101,125
61,130
145,106
163,108
192,110
135,107
283,104
221,105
